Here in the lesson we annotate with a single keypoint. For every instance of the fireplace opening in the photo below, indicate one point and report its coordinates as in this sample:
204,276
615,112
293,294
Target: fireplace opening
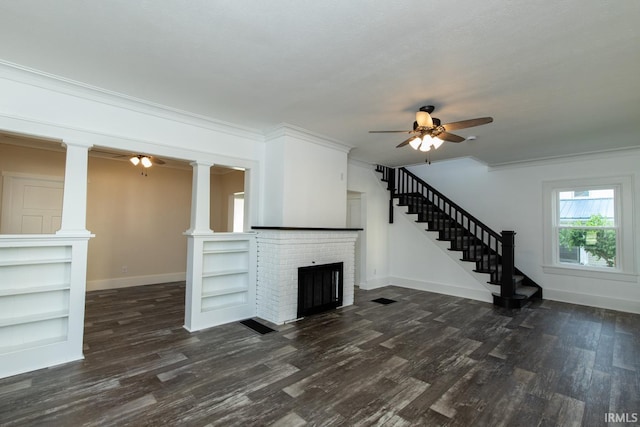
319,288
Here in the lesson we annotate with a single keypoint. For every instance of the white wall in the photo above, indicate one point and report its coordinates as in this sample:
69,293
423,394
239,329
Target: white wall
510,198
306,180
419,261
403,253
375,199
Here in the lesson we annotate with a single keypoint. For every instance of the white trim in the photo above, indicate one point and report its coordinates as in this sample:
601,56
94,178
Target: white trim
56,131
285,129
442,288
590,272
361,163
376,283
55,178
127,282
575,157
37,78
626,305
625,270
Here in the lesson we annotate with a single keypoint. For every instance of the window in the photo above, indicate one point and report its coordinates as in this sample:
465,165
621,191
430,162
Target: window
588,228
238,212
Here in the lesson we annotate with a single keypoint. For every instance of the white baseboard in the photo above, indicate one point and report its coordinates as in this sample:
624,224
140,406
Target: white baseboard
126,282
629,306
374,283
442,288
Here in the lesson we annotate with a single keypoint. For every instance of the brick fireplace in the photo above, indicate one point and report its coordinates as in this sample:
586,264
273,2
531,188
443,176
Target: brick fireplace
283,250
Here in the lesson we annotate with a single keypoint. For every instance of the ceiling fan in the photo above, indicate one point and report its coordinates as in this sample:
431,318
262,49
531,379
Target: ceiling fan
428,132
135,159
147,161
143,160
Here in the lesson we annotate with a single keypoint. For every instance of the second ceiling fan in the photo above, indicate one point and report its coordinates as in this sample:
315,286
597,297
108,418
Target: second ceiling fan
428,131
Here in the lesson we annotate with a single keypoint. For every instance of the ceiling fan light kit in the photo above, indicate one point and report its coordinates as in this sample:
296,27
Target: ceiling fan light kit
146,162
428,132
136,160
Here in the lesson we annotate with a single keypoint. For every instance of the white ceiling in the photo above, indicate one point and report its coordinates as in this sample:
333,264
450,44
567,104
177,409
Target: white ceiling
558,77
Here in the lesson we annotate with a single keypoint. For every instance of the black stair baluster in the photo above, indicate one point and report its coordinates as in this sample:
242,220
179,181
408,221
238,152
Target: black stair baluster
391,186
483,246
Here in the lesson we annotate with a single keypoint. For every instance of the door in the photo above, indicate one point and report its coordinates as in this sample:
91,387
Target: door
31,204
354,220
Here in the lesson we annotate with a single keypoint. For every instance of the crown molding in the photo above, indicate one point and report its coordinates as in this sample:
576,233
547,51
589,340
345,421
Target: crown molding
288,130
360,163
33,77
577,157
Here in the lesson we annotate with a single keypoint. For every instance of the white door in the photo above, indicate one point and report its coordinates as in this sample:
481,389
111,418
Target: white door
30,204
354,220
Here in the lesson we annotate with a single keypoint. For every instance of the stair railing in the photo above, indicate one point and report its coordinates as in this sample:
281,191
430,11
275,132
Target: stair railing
401,182
388,176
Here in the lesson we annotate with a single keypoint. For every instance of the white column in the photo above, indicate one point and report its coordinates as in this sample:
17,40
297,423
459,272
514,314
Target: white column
74,201
200,199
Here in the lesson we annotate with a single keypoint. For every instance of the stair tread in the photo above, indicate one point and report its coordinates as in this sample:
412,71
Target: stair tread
525,290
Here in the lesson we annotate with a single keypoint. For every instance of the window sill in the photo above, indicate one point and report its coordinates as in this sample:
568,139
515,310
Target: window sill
590,273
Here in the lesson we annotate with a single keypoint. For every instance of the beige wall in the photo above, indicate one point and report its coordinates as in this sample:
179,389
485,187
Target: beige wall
137,220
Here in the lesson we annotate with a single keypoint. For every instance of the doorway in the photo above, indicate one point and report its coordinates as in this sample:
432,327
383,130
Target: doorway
356,219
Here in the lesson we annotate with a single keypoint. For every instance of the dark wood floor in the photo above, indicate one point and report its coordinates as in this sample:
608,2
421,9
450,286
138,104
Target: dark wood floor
427,359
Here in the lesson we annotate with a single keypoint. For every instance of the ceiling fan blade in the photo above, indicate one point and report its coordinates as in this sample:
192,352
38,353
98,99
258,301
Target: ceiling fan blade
405,142
390,131
446,136
467,123
157,161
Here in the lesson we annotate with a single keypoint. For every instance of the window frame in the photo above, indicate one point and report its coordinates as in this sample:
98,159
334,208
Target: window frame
625,268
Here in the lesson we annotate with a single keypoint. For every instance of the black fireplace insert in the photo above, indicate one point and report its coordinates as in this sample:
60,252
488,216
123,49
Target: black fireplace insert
320,288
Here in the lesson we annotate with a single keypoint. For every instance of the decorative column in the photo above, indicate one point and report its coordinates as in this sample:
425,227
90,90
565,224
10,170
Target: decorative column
200,199
198,231
74,201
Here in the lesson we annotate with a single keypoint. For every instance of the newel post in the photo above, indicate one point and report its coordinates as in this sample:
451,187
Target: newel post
508,248
391,186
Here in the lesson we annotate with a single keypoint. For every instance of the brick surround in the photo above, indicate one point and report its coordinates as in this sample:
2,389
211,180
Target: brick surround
281,252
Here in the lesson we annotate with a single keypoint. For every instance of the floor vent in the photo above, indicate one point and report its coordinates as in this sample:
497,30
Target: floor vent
384,301
257,326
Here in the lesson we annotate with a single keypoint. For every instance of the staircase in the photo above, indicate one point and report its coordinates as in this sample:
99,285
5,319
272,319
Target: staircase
492,252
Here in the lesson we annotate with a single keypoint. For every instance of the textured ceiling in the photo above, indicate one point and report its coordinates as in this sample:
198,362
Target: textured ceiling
558,77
